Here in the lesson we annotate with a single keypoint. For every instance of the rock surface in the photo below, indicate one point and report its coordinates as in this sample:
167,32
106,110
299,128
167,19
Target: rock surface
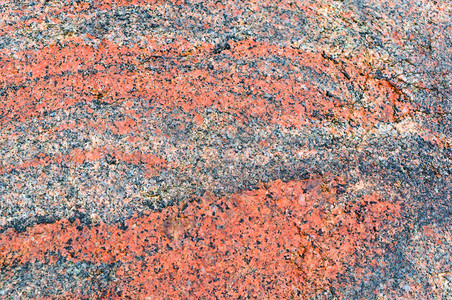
225,149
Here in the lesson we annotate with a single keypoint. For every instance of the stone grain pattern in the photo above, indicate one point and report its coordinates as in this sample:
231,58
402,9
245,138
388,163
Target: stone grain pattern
156,149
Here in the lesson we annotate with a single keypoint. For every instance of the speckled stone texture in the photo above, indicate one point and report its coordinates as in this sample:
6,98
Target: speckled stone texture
154,149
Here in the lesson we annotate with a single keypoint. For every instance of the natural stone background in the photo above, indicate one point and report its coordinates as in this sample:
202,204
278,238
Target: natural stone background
225,149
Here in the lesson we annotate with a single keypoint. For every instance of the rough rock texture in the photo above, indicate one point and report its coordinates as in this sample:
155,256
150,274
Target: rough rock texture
225,149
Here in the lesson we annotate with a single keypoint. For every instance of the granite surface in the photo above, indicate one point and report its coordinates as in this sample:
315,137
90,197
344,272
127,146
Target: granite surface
176,149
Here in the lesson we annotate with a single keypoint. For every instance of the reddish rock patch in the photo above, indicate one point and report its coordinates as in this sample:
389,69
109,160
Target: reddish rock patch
281,240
